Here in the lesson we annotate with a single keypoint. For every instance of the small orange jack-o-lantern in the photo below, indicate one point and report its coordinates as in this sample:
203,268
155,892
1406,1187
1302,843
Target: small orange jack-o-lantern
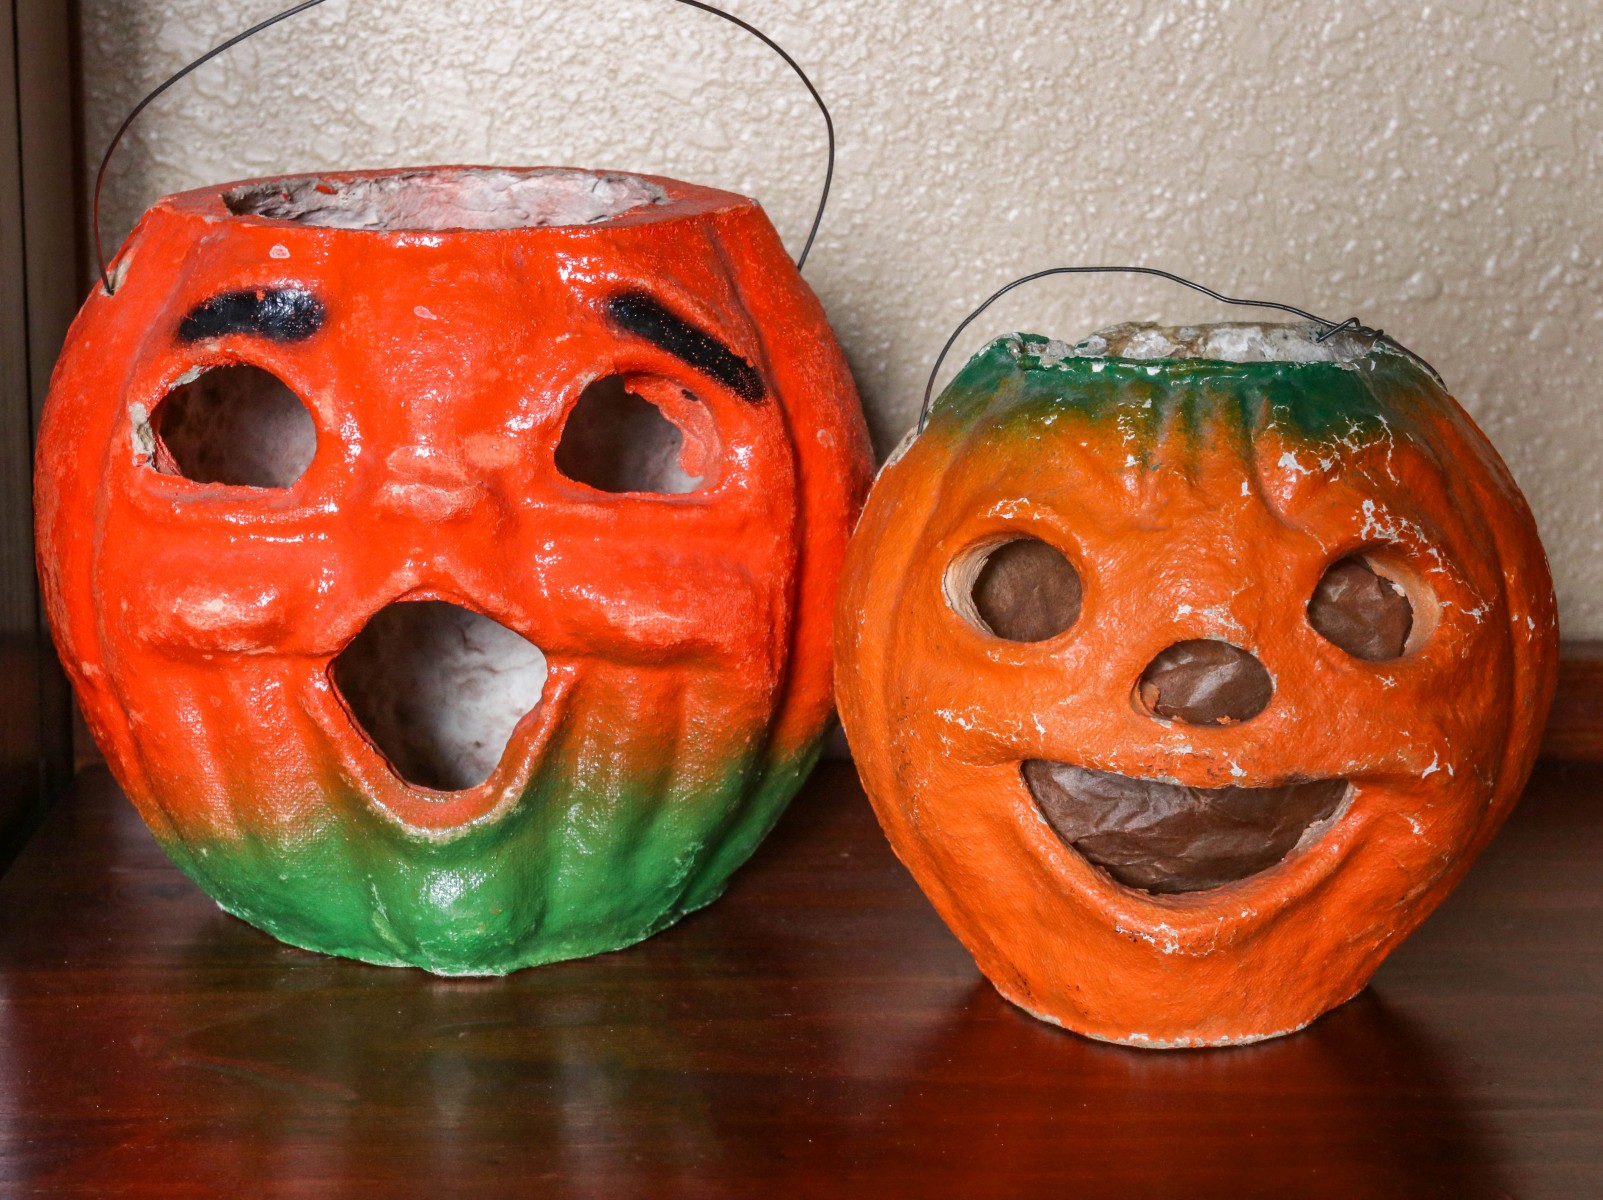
445,559
1188,670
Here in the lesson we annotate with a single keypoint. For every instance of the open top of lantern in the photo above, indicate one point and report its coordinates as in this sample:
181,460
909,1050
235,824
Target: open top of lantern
447,199
1225,341
1023,370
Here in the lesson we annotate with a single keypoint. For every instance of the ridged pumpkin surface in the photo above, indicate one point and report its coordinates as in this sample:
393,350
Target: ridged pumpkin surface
1198,500
687,636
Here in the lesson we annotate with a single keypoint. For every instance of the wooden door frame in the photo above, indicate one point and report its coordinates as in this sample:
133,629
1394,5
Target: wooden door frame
42,278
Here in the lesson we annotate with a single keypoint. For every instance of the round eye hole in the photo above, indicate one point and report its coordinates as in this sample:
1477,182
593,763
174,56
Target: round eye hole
238,425
639,434
1023,590
1359,610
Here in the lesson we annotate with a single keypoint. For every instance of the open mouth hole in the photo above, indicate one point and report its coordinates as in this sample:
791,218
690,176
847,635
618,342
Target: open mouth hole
439,689
447,199
237,425
1168,838
617,441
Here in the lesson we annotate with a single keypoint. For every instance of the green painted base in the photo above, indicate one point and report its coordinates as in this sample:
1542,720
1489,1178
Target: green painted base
550,881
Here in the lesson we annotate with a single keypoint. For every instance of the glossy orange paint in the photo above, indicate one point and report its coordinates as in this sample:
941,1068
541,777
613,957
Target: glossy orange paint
687,636
1197,500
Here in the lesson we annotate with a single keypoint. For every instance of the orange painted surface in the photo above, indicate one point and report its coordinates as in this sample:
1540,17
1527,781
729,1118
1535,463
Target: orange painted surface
1198,500
687,636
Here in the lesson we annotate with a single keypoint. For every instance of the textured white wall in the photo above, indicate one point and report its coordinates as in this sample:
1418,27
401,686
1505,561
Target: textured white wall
1435,168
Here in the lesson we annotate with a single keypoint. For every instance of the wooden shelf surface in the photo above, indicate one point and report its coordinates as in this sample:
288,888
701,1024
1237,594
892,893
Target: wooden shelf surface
817,1032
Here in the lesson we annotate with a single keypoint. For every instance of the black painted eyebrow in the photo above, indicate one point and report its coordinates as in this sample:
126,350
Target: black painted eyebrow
644,316
278,314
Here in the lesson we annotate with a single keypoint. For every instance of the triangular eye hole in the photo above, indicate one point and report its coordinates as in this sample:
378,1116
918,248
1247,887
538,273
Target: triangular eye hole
1021,590
638,434
237,425
1361,611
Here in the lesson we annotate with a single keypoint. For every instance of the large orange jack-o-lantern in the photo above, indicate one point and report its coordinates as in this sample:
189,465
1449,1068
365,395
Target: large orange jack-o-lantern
445,559
1188,670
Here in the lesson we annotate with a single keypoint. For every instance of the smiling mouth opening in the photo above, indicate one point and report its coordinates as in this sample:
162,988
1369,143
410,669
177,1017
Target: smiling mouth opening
1168,838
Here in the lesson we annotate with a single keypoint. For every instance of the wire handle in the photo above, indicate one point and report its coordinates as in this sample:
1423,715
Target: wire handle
1332,328
116,139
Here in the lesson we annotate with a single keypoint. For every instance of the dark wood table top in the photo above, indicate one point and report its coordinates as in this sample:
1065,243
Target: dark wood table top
816,1033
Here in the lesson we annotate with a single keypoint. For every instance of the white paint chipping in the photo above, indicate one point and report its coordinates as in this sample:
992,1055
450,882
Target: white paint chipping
140,434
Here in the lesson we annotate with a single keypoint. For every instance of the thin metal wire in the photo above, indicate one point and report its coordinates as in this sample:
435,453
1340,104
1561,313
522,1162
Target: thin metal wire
1331,327
116,139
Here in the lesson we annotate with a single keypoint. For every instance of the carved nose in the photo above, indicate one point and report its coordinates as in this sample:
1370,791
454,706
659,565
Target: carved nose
1205,683
424,483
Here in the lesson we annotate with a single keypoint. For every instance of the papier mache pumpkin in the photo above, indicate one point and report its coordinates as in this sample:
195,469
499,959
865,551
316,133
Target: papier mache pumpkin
445,558
1189,669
